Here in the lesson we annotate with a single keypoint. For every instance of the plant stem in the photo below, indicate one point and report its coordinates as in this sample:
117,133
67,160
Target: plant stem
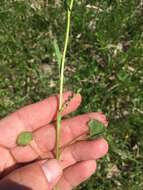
59,115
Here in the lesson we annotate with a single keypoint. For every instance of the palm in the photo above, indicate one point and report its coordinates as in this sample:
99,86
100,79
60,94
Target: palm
75,156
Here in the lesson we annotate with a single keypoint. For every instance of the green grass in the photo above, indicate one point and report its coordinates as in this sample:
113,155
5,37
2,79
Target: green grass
104,63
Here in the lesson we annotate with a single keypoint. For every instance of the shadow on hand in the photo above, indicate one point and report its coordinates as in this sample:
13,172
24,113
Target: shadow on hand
10,185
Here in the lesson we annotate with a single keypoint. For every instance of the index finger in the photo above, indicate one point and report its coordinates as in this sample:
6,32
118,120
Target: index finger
32,117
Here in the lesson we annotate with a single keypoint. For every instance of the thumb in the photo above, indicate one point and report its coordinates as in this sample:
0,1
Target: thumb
39,175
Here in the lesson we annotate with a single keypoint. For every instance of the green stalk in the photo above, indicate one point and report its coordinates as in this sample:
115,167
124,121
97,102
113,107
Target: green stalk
59,115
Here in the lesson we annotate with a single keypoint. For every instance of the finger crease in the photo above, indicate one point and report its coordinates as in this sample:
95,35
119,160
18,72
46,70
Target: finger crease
73,153
72,133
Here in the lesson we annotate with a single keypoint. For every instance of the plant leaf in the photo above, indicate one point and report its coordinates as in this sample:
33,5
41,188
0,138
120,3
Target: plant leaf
57,52
95,128
24,138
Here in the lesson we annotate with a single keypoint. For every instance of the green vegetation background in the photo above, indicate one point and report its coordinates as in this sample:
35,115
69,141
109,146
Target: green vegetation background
104,62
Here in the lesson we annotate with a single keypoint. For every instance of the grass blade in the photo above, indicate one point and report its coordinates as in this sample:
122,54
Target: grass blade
57,52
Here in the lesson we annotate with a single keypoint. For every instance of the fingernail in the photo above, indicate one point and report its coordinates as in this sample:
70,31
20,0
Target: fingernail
52,170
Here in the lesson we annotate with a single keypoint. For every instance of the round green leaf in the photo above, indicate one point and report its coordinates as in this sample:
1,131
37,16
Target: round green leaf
95,128
24,138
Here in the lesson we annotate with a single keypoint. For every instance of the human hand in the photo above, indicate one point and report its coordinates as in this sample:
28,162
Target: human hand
78,156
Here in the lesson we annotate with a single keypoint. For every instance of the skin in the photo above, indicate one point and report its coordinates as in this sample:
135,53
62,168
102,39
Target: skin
39,168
